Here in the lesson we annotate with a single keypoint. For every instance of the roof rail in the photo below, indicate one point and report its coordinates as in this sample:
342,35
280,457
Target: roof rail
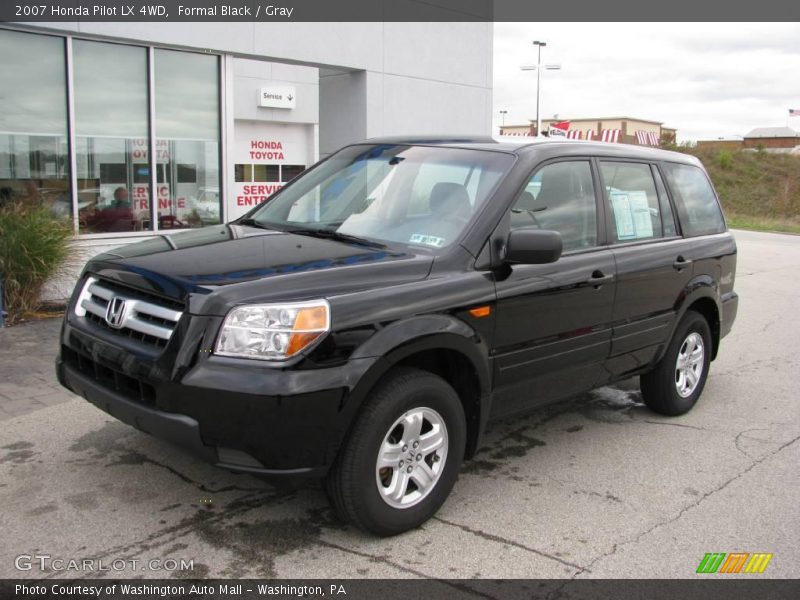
433,139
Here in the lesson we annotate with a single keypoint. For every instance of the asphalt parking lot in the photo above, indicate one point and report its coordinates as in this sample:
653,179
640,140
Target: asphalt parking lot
596,486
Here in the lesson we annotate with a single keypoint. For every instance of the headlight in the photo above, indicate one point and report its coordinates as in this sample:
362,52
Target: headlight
273,331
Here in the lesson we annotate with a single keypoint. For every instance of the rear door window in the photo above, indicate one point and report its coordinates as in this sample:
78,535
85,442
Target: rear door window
697,205
635,207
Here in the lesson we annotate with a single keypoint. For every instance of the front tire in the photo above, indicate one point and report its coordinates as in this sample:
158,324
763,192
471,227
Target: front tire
402,457
675,385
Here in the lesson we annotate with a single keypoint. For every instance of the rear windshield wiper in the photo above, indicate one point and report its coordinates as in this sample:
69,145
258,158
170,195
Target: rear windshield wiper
335,235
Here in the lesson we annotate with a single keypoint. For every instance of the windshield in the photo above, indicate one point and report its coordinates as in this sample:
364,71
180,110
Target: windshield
416,195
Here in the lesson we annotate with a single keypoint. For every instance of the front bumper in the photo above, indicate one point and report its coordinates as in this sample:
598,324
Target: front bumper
181,430
236,414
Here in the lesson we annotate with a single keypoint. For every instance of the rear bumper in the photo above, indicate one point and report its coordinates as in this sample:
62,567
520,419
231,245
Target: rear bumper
180,430
730,306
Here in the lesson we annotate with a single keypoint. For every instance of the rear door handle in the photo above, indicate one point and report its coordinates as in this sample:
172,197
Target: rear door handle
681,263
598,278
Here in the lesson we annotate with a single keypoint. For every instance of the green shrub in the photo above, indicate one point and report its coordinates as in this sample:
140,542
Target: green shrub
725,160
34,246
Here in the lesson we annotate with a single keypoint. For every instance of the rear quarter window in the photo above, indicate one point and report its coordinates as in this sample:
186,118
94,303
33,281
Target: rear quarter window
695,200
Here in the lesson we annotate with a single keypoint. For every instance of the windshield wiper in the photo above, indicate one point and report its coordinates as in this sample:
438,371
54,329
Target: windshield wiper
253,223
335,235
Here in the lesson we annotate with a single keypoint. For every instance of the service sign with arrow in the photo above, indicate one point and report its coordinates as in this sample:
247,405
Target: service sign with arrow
277,96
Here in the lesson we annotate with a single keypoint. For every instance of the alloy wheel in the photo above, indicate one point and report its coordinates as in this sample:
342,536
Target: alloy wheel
689,365
411,458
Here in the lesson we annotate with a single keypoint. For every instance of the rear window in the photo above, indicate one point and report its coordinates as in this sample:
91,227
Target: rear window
695,200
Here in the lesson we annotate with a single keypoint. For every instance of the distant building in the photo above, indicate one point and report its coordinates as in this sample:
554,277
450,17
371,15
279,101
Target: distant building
774,139
625,130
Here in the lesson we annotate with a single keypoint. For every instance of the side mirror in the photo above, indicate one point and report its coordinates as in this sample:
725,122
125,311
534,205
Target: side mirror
533,246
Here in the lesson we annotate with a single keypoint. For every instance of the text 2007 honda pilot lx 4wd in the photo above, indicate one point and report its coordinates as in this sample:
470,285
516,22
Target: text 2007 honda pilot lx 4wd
366,322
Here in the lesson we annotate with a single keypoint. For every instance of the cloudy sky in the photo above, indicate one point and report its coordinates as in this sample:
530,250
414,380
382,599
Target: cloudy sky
708,80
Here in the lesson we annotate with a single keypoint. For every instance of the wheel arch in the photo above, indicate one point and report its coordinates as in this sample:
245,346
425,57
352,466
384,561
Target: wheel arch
440,344
707,307
456,368
701,295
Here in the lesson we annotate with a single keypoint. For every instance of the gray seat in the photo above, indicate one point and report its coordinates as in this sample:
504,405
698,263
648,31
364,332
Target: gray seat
449,200
566,206
526,201
557,187
522,214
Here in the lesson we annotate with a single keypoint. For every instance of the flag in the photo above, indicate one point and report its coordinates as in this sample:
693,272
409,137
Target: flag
563,125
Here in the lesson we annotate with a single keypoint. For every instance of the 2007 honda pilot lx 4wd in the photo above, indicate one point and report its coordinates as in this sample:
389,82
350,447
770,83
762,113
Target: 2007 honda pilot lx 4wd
366,322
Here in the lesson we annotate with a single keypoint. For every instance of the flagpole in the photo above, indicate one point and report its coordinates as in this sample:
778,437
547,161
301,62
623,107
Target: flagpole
539,87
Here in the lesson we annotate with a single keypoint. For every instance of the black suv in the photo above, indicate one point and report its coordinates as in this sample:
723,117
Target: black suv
366,322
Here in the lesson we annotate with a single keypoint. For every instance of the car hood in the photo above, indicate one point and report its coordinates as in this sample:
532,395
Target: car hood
215,267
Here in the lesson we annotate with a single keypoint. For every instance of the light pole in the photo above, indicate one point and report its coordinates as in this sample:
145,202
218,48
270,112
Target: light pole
538,68
503,114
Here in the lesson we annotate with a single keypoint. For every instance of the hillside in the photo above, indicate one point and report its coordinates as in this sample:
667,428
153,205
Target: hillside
759,190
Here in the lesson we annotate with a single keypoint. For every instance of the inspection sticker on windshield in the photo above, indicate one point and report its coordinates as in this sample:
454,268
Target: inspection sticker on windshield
428,240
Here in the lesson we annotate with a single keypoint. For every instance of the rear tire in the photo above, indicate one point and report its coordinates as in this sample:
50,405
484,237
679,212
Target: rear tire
675,385
402,457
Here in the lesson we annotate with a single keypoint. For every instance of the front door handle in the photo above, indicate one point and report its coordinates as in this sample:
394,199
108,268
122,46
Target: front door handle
598,278
681,263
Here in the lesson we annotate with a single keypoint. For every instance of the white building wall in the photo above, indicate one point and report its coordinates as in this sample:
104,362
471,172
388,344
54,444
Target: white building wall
414,71
295,129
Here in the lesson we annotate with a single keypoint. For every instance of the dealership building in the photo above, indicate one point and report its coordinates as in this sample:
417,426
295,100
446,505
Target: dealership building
136,129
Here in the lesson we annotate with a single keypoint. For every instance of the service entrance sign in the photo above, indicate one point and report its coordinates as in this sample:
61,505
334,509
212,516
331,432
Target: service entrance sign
266,156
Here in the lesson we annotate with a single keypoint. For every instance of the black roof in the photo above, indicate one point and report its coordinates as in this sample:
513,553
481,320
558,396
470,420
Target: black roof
432,140
525,146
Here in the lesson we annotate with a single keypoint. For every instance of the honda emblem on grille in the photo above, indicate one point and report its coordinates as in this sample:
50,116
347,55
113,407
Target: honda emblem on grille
115,313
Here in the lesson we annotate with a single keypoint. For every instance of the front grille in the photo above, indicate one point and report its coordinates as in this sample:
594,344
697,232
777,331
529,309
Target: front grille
129,387
137,315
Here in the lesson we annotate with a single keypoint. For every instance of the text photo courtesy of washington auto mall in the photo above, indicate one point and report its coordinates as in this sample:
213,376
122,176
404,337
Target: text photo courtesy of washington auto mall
399,299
